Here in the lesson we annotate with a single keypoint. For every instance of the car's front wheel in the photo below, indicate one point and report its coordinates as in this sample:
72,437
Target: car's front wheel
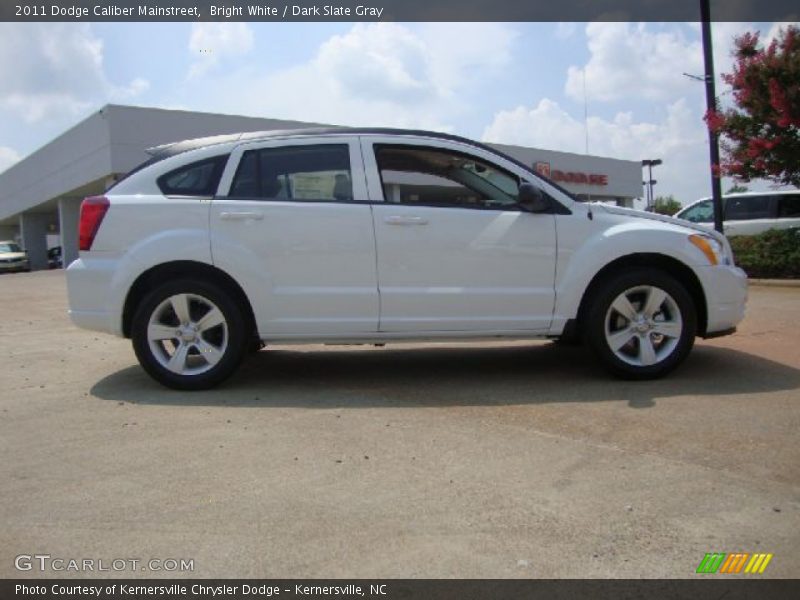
642,324
189,335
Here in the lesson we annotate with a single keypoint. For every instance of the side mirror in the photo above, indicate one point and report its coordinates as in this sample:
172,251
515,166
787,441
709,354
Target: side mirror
532,199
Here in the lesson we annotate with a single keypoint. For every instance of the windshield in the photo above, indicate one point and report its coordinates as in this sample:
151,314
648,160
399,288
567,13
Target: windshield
9,247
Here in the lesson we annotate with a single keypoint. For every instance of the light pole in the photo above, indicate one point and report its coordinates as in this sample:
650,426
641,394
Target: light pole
650,163
711,105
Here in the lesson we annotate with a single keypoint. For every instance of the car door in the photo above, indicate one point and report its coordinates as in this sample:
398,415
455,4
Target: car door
292,218
454,251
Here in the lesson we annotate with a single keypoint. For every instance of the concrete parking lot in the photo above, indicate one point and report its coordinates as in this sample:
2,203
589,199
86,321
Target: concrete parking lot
491,460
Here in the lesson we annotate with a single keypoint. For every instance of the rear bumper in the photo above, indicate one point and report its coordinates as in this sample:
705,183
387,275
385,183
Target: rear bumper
94,320
89,290
726,298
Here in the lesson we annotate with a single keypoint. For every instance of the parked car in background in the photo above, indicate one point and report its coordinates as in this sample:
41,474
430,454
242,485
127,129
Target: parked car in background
376,236
13,258
748,213
54,260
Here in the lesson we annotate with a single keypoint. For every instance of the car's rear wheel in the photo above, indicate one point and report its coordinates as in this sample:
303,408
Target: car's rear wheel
189,335
642,324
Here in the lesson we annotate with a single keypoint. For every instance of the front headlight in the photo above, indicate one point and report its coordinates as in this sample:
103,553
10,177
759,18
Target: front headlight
713,250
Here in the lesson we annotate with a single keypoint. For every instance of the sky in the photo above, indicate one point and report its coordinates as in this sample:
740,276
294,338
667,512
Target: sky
522,83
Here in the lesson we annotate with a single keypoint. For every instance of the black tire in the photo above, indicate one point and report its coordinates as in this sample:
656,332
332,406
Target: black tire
232,335
605,325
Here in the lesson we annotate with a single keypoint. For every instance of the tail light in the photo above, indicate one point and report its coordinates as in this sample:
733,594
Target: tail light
93,209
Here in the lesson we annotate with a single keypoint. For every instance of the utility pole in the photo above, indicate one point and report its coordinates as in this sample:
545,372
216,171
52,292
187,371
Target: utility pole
711,105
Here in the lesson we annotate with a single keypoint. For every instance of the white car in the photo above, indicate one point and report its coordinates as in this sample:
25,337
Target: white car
13,258
376,236
748,213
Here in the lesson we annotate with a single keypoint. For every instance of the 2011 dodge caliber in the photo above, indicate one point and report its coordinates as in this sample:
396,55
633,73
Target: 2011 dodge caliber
375,236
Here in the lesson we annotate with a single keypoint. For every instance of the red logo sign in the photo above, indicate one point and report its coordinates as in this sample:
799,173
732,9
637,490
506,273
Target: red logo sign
577,177
543,169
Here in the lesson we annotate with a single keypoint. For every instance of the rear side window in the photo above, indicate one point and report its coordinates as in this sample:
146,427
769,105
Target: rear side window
302,173
746,208
195,179
789,207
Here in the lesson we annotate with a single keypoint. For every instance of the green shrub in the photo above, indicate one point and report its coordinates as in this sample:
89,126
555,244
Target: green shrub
666,205
772,254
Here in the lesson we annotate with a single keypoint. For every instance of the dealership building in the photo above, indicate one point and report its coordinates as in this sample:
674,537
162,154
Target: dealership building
40,195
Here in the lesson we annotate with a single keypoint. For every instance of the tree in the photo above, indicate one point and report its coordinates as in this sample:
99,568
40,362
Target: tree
761,134
666,205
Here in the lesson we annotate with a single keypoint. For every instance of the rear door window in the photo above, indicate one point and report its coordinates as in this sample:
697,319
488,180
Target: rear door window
301,173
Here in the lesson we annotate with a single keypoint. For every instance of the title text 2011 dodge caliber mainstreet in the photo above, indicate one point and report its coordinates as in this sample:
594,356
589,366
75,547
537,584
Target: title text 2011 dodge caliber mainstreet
375,236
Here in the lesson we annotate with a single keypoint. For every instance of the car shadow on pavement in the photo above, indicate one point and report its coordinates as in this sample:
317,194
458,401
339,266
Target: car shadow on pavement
453,376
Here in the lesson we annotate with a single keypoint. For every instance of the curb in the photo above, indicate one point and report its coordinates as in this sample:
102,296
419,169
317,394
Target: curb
788,283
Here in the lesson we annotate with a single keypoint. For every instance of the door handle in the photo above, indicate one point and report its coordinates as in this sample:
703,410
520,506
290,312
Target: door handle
398,220
241,216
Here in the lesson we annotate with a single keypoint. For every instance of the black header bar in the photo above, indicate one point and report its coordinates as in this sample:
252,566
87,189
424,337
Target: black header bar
395,10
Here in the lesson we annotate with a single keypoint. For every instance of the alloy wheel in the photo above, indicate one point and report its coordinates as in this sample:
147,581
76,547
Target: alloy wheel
187,334
643,326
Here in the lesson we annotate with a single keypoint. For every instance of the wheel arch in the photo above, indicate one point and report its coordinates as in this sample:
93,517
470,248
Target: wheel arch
672,266
150,279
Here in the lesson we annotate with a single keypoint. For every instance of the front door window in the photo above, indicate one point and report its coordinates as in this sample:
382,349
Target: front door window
421,176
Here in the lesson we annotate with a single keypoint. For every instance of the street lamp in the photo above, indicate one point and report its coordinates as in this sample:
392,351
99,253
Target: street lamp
650,163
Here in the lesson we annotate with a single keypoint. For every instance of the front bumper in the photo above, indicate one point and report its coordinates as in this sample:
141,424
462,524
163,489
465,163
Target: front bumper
725,288
17,265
